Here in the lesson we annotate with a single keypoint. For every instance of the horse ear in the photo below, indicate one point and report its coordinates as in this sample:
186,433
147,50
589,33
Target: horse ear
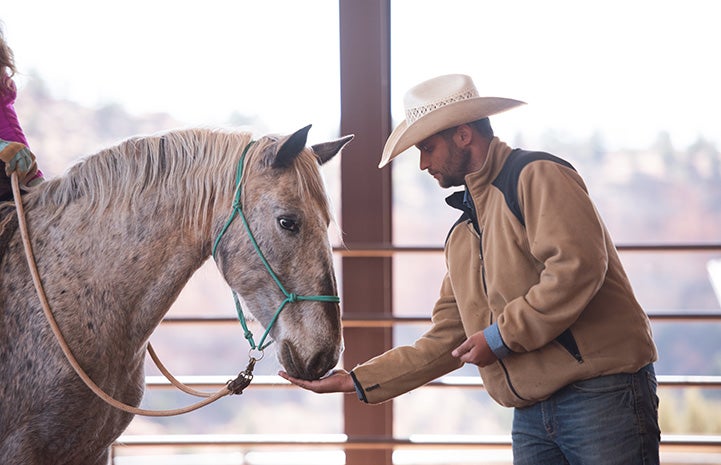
291,148
327,150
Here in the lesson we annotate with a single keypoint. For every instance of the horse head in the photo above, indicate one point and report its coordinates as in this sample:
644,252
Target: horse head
279,223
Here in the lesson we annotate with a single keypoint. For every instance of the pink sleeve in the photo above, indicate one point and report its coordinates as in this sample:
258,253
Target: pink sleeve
10,129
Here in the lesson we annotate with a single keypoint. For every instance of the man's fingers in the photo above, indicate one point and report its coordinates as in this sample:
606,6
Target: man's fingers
286,376
318,386
462,349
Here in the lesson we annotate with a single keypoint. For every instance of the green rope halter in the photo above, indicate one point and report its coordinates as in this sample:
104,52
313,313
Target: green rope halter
289,296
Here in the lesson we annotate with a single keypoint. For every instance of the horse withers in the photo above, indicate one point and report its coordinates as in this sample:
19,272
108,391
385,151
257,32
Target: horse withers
115,240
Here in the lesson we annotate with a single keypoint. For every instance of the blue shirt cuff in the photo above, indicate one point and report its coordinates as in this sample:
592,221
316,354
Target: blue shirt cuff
495,341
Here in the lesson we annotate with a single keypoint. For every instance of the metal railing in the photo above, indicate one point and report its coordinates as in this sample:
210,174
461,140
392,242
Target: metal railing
692,444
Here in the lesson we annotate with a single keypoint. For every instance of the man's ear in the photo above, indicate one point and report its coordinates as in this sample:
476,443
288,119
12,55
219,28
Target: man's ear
463,135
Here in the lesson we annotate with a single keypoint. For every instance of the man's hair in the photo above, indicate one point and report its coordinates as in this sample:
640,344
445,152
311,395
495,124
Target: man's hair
481,126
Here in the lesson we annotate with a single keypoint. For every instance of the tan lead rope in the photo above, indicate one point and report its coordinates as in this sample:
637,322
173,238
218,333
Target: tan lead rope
233,387
175,382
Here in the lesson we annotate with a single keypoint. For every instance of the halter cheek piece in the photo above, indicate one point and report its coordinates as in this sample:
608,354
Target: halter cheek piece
237,209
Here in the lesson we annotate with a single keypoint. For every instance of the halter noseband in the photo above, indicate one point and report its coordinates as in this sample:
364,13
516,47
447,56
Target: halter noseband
289,296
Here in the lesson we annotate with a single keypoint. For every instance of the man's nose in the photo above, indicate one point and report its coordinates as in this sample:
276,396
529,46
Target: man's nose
424,162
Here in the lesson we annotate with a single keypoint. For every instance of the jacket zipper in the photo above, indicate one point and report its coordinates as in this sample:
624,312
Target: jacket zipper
483,263
485,290
568,342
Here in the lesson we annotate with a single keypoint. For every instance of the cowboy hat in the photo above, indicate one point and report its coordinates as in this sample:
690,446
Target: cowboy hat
437,104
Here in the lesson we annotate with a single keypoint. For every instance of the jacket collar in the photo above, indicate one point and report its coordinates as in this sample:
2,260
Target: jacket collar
455,200
497,153
461,200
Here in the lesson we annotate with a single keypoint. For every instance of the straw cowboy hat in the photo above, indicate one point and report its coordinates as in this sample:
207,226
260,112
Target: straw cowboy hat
437,104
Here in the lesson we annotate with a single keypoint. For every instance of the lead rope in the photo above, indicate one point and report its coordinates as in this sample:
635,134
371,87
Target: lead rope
235,386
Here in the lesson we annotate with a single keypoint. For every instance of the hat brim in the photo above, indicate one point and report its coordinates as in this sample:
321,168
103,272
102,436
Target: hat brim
405,136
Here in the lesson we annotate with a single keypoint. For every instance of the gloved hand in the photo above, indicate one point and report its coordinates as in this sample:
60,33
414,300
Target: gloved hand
17,157
21,162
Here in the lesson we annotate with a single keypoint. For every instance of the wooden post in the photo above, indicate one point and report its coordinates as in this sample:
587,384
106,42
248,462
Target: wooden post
366,205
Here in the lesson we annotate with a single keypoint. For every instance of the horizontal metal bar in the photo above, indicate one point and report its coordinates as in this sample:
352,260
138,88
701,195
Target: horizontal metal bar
381,250
341,441
691,315
699,247
374,321
302,441
709,382
215,382
371,321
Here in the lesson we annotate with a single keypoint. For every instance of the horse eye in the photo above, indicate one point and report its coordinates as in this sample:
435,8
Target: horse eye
288,224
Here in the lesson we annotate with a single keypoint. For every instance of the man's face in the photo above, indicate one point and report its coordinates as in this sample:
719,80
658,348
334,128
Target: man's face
444,160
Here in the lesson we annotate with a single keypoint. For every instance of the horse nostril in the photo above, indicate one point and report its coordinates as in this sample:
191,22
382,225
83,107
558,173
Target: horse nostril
287,359
317,366
321,364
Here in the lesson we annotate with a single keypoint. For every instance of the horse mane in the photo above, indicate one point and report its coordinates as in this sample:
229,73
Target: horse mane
201,161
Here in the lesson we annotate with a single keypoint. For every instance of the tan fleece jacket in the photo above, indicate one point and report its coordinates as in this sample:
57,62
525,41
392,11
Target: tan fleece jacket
556,288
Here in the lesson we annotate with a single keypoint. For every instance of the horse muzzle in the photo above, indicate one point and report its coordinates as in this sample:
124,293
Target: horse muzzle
307,367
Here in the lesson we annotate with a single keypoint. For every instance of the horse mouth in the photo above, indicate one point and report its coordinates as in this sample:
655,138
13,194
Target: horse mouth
317,366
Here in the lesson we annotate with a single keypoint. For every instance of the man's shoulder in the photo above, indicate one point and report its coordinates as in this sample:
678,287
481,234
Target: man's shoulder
518,159
515,163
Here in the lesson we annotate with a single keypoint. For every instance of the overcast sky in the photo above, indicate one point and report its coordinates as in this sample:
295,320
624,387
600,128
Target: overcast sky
627,69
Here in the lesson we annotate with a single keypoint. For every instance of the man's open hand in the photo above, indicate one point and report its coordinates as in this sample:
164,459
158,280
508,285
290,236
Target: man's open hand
337,381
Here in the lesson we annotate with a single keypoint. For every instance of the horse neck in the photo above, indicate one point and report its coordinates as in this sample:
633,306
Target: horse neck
134,261
136,220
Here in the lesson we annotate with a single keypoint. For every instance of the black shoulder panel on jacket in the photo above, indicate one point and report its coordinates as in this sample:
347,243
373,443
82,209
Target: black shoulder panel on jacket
455,200
462,219
507,179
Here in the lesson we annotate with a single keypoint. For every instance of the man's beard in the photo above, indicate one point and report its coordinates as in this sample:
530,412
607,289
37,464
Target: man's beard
456,167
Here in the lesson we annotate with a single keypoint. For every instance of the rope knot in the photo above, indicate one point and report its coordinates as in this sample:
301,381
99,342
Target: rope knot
292,297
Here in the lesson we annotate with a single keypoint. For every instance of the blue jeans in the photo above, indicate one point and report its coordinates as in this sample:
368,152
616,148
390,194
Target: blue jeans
609,420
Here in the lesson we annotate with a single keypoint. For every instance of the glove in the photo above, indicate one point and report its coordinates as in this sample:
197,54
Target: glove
17,157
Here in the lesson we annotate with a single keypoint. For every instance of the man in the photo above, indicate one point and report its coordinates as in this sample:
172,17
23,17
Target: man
534,295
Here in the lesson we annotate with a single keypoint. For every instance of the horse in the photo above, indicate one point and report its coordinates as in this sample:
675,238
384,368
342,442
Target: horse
115,239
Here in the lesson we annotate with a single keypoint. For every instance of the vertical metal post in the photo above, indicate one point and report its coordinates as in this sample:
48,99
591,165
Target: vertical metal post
366,204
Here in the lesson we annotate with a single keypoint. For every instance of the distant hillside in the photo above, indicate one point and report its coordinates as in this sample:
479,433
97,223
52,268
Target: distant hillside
61,131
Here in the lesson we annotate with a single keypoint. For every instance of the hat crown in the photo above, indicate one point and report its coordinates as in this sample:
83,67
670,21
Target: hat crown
437,93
